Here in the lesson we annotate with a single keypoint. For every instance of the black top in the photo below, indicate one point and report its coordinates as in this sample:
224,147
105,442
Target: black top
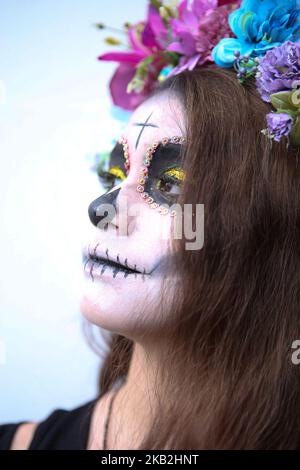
61,430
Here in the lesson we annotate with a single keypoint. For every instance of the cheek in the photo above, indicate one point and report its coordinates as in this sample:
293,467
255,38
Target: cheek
153,229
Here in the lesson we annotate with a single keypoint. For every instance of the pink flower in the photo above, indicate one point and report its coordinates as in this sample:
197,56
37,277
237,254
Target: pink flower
157,45
201,24
145,39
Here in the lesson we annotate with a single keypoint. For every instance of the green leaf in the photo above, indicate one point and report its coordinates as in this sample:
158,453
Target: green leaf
156,4
283,100
172,57
295,133
294,114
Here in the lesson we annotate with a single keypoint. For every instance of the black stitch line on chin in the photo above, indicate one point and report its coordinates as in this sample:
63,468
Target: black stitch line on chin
91,271
95,249
86,262
115,272
126,265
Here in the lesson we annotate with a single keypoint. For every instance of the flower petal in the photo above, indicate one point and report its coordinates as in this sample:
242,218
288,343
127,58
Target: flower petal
127,57
118,86
223,52
157,26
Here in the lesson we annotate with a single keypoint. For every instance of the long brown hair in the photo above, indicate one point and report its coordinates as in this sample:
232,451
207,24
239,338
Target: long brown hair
232,383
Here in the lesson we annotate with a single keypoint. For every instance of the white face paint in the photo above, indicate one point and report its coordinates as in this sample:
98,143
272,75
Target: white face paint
117,301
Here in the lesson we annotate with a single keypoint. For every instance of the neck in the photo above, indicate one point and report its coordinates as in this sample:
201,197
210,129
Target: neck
131,412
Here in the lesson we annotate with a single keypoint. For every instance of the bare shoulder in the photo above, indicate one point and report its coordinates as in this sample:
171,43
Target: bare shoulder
23,436
97,423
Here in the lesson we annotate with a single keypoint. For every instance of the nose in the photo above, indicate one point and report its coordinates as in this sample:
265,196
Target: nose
94,207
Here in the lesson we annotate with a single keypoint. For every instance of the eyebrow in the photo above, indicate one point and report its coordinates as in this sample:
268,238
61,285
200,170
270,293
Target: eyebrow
143,125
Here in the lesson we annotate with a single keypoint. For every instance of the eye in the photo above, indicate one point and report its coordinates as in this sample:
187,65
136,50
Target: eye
170,182
111,178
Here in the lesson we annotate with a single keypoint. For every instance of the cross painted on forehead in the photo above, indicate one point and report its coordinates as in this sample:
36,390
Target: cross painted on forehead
143,125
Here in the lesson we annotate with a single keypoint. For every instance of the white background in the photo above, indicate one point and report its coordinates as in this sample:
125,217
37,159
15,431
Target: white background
55,114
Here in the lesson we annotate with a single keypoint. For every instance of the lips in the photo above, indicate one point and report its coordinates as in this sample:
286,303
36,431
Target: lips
93,254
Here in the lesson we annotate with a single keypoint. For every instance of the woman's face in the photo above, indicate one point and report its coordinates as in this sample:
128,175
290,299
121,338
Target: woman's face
125,259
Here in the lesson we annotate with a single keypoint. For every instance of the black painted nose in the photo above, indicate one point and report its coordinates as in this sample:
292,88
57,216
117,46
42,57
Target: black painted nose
97,215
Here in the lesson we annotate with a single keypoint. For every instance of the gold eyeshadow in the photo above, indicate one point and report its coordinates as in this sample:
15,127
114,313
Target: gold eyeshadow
117,172
172,172
177,173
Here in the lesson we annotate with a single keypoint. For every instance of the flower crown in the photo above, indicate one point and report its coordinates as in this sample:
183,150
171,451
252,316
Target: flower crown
257,38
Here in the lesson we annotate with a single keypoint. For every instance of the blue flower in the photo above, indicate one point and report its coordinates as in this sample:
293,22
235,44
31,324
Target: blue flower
259,25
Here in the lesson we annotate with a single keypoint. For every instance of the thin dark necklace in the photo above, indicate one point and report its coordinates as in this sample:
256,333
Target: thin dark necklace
104,446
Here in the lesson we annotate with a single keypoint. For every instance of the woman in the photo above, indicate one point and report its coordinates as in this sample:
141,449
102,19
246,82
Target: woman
200,353
213,368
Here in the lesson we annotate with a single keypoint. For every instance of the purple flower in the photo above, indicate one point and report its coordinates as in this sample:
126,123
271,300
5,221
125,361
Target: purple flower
279,125
278,69
201,24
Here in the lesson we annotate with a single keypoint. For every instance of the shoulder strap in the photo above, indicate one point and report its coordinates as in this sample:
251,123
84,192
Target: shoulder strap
7,432
64,430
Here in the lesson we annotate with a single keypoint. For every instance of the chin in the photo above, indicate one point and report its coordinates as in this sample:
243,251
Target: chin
125,306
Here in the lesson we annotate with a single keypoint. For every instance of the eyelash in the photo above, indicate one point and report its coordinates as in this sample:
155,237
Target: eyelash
165,178
108,180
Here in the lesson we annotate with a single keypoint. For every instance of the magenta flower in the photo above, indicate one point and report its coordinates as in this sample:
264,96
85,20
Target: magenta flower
146,39
168,42
201,24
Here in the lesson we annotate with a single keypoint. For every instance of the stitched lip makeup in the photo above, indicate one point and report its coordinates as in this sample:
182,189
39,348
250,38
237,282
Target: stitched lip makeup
97,265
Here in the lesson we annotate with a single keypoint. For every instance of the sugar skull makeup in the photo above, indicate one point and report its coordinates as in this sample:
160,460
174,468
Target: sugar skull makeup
161,175
124,270
115,169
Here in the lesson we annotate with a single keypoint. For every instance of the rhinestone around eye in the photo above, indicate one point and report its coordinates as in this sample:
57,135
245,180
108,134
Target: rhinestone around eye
163,210
124,143
144,173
